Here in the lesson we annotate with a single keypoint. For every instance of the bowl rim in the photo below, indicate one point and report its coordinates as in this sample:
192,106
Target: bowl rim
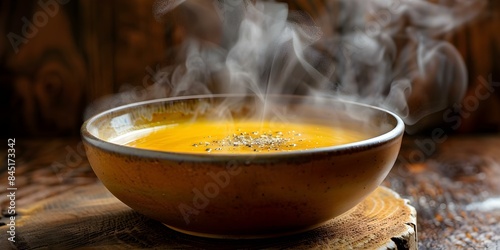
352,147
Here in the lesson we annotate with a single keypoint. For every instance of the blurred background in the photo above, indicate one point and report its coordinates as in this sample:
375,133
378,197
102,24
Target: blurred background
57,57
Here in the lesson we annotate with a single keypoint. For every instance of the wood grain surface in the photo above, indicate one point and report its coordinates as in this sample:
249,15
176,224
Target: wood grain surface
455,189
91,217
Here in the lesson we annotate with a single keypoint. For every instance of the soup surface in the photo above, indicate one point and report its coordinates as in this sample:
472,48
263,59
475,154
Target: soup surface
214,137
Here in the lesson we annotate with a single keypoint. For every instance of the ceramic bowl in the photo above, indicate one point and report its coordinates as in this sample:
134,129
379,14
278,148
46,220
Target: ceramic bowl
249,195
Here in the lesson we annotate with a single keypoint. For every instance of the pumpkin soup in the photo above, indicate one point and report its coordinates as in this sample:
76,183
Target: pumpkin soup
205,136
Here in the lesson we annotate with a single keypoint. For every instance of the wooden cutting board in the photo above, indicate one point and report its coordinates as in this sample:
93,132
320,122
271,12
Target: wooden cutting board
90,217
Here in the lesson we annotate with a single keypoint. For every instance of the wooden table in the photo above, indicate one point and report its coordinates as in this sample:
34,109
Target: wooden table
454,185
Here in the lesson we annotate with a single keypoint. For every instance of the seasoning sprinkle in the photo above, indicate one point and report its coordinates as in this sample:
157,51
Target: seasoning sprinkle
256,140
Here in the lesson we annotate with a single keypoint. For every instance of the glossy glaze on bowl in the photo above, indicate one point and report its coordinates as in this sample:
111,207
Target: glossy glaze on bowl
244,195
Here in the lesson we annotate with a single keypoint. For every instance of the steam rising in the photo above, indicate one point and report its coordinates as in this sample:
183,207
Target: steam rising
389,53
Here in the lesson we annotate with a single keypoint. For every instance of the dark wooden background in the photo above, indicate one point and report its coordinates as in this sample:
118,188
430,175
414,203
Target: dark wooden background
88,49
85,51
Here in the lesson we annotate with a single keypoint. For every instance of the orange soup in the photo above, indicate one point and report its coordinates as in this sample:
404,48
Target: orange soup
214,137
